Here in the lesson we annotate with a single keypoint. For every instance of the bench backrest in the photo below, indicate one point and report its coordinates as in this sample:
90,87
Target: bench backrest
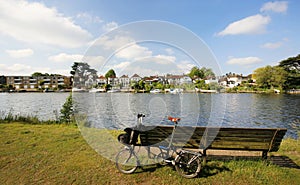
256,139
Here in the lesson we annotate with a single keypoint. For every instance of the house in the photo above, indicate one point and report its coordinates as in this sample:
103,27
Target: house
185,80
223,81
154,79
124,82
32,83
211,79
232,80
178,79
135,78
173,79
113,81
101,81
2,80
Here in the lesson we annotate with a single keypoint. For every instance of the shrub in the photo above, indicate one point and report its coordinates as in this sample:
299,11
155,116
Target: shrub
67,111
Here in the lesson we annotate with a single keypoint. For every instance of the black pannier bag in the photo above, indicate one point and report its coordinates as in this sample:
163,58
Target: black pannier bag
130,137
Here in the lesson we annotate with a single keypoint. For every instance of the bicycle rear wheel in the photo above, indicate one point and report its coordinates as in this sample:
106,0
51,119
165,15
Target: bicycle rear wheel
188,165
126,161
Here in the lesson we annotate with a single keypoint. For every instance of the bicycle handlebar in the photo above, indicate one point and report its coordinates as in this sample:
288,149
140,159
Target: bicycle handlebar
175,120
140,115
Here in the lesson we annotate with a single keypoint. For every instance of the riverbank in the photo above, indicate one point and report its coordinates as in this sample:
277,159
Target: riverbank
229,90
58,154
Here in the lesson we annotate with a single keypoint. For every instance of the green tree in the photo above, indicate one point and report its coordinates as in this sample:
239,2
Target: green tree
107,87
291,64
67,111
36,74
196,73
270,77
110,74
207,72
82,72
200,84
201,73
292,67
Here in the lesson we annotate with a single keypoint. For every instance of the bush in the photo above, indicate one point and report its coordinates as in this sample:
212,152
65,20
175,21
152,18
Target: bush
67,111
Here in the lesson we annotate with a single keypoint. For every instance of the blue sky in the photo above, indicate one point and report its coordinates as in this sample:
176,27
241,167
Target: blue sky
49,35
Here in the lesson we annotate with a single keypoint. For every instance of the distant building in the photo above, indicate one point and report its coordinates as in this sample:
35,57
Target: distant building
233,80
173,79
101,81
124,82
185,80
2,80
135,78
211,79
38,82
113,81
178,79
154,79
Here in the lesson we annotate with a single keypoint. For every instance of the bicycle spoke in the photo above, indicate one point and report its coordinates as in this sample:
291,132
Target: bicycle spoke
126,161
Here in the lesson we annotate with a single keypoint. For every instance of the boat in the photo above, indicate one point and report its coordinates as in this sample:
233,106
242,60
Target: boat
276,91
78,90
176,91
94,90
113,91
155,91
205,91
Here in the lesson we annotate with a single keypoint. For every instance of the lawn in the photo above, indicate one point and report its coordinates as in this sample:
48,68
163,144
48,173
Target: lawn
58,154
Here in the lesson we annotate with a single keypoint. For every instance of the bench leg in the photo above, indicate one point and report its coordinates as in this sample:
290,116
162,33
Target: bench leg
204,157
264,155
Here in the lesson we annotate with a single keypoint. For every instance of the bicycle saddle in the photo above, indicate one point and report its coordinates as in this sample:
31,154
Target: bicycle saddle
173,119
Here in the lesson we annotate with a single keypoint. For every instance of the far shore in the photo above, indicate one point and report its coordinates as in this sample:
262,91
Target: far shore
269,91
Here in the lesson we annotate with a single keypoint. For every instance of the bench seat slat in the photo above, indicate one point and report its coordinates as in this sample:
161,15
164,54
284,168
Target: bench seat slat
257,139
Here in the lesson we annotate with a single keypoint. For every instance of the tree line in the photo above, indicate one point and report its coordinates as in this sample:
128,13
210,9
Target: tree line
285,75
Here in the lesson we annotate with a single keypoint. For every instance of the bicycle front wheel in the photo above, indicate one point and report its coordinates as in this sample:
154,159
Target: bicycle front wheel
126,161
188,165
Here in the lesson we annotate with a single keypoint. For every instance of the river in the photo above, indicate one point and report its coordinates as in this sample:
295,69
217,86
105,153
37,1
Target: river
118,110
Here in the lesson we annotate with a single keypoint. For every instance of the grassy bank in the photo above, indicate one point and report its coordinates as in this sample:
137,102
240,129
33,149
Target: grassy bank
57,154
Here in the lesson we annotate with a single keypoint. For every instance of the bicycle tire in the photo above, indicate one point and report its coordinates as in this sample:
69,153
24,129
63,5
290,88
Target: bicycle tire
126,161
160,158
188,170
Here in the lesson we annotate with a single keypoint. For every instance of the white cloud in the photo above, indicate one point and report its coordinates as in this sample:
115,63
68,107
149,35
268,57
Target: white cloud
185,66
271,45
113,43
134,51
21,53
158,59
33,22
169,51
110,26
18,68
26,70
96,62
140,70
63,57
121,65
255,24
244,61
276,6
88,18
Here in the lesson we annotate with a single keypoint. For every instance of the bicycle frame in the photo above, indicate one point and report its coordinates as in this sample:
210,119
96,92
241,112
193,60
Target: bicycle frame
186,162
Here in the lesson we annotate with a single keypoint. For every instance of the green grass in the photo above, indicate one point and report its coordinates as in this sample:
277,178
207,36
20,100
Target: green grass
58,154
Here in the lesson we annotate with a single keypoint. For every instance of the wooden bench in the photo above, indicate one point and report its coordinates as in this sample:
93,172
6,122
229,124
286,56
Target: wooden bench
205,138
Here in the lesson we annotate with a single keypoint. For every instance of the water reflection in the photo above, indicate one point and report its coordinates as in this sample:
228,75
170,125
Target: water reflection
118,110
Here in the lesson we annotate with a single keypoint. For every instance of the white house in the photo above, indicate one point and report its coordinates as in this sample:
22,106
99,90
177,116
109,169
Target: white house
135,78
185,80
124,81
101,81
